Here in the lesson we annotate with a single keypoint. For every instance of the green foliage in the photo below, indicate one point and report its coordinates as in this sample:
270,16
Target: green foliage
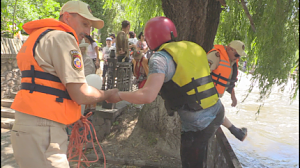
137,12
273,50
26,10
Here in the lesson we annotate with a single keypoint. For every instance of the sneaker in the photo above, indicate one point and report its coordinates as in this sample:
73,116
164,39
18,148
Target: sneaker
239,133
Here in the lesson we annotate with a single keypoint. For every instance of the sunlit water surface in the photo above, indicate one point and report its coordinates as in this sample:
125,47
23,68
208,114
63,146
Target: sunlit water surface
273,135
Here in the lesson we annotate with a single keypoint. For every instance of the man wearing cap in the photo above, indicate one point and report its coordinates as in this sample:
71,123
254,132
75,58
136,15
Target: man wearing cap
105,55
53,87
223,62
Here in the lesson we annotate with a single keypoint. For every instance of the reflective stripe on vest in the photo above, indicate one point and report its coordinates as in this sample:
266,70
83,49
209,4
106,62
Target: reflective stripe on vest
191,87
221,74
42,94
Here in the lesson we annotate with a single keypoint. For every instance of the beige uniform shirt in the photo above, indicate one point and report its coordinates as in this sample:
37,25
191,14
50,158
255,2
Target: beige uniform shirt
213,61
58,54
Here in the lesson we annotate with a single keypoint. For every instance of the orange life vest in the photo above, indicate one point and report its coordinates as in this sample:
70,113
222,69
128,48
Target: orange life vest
221,75
42,94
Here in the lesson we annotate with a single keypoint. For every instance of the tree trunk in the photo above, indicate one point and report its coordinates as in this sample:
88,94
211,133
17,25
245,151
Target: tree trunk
196,21
154,118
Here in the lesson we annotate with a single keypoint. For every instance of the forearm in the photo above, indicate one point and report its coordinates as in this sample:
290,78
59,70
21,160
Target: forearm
94,95
148,93
82,93
97,52
137,97
232,93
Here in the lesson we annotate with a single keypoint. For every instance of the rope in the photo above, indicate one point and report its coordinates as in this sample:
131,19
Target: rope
78,140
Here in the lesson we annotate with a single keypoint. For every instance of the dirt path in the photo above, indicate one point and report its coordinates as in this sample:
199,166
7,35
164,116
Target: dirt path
126,147
128,144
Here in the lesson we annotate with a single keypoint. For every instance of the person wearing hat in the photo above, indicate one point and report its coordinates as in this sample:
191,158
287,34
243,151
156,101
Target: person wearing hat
140,67
223,62
106,51
113,37
53,86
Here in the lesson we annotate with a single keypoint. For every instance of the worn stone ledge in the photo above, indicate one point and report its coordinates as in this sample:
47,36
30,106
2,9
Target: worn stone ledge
7,112
6,102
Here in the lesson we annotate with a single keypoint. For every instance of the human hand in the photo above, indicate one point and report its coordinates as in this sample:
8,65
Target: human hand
234,101
114,98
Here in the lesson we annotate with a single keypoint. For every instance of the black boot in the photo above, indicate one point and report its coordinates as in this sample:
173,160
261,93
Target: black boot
239,133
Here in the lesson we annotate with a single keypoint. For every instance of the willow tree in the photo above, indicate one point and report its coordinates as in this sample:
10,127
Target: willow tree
24,11
270,30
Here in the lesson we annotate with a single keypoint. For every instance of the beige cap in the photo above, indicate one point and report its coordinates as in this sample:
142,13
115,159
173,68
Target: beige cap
238,46
83,9
83,43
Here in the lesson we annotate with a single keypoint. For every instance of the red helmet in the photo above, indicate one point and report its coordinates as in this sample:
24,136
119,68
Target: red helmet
158,31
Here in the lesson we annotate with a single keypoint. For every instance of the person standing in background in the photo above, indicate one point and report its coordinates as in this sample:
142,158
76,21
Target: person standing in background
89,66
113,37
93,50
142,44
106,51
122,45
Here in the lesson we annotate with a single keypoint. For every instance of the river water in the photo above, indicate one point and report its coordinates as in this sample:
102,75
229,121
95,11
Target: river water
273,135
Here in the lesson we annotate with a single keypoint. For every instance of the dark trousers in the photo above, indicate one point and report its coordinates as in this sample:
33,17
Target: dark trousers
193,149
105,67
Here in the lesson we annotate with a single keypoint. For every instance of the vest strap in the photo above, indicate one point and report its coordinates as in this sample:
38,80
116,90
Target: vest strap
40,88
222,84
47,90
196,83
39,74
223,78
38,40
191,98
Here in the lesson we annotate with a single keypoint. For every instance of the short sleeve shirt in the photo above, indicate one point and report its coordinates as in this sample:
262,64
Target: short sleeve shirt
58,54
162,62
91,50
106,52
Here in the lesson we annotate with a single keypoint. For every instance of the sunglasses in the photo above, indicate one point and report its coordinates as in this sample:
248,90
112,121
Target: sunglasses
237,55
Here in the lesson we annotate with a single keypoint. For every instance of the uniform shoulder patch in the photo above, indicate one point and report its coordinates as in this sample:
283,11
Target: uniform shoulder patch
76,60
217,54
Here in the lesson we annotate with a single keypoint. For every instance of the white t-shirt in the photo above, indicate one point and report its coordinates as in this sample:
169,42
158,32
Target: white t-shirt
91,50
133,40
106,52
